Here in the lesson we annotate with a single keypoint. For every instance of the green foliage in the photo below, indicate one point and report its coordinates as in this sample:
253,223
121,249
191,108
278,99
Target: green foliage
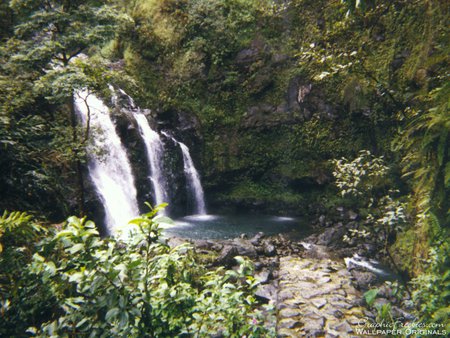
426,141
42,67
364,180
359,176
18,234
134,286
370,296
432,288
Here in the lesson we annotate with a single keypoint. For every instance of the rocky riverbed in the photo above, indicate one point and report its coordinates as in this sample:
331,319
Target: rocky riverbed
315,293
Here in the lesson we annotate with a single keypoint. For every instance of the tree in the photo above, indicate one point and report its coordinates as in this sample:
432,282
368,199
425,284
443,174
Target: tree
44,57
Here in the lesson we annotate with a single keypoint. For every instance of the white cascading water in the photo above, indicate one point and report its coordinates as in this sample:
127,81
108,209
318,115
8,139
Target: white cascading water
193,178
109,167
155,153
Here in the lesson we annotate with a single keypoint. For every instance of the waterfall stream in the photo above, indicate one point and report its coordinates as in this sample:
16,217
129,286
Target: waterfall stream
155,153
109,167
193,178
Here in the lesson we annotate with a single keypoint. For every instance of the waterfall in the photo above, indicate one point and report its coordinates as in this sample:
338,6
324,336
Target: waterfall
155,153
193,178
153,146
109,167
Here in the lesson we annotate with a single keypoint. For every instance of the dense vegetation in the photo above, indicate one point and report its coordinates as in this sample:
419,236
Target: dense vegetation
299,94
77,284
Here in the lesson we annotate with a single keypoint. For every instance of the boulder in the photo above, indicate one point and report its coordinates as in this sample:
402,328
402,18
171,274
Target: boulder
363,279
332,236
226,256
244,247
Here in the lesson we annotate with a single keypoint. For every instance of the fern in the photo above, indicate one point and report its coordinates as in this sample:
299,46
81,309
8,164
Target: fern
17,228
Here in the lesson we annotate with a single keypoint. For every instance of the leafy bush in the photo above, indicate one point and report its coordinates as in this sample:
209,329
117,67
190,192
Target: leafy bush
362,179
359,176
131,287
432,288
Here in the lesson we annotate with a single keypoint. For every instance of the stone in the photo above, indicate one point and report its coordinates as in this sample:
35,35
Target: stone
259,266
315,325
316,252
266,293
226,256
256,240
285,333
363,279
332,235
263,276
247,55
319,303
331,335
343,327
288,323
270,250
324,280
285,294
289,313
342,305
337,314
244,247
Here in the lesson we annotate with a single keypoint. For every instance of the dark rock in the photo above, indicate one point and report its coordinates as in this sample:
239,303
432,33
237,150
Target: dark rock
289,323
256,240
270,250
244,248
259,266
202,244
332,236
400,313
226,256
363,279
338,314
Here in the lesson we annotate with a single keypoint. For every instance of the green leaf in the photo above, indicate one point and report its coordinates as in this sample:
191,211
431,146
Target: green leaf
76,248
111,314
370,296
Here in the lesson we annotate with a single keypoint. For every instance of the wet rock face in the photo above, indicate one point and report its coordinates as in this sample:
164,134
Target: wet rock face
128,132
176,179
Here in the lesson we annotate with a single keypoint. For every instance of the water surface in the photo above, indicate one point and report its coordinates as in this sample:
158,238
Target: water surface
232,226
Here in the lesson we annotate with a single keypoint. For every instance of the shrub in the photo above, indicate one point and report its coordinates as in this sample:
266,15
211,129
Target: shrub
133,286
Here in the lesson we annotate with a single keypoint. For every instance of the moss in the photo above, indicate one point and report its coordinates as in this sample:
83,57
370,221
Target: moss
207,257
